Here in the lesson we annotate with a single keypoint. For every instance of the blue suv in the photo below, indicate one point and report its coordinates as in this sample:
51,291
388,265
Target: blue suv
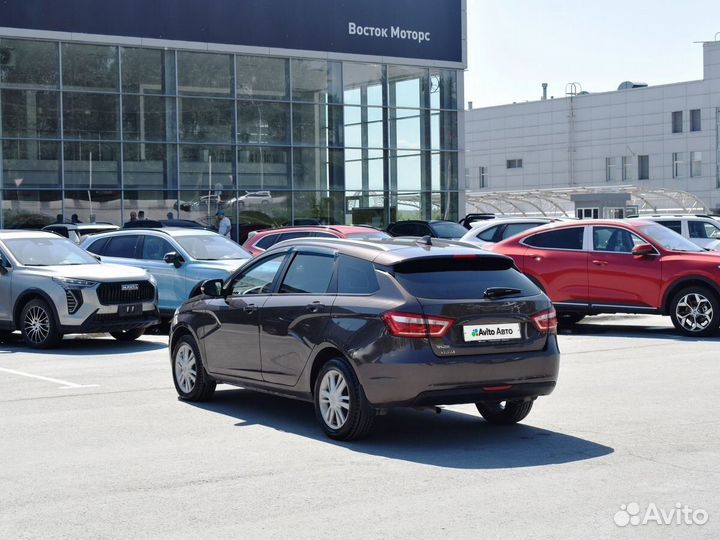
179,259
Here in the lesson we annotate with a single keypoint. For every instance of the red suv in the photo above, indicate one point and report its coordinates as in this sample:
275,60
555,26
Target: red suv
262,240
590,267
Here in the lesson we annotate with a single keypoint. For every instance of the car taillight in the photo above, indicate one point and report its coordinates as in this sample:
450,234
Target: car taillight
545,321
416,326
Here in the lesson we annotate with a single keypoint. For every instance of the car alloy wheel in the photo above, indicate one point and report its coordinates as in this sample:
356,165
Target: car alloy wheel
694,312
185,368
36,325
334,399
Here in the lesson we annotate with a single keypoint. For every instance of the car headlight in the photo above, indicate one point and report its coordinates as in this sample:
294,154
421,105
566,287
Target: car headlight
74,283
174,320
152,279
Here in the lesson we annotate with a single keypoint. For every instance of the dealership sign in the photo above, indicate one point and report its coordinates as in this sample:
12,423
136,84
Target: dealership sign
420,29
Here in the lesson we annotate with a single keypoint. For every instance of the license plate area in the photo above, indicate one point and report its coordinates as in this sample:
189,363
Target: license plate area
492,332
130,310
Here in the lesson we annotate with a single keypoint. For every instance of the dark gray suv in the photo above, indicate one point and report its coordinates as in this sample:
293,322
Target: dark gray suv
358,327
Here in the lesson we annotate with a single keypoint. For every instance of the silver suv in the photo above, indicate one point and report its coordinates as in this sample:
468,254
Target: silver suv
50,287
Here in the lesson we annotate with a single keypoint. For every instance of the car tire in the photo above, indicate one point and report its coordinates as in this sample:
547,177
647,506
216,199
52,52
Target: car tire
504,412
340,403
38,326
191,380
128,335
569,319
695,311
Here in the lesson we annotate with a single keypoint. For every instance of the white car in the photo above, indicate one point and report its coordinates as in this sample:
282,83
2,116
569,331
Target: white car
702,231
492,231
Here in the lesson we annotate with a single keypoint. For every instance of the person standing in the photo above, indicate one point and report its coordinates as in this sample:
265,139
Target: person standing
224,225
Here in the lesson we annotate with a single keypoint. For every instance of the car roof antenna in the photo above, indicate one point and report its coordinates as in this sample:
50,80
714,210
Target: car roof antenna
427,240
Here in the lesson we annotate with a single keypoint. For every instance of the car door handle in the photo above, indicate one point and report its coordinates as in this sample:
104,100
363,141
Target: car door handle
315,307
250,308
598,262
537,258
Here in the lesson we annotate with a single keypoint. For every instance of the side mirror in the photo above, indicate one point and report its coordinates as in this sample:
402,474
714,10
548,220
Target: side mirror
212,287
644,250
174,258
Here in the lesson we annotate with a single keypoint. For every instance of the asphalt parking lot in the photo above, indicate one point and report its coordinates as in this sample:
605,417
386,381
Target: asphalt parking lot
96,445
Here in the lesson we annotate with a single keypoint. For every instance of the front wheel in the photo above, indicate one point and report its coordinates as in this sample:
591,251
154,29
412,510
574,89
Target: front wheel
38,326
504,412
695,311
128,335
340,403
191,380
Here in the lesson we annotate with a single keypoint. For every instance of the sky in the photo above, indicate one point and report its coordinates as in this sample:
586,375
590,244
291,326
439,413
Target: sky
515,45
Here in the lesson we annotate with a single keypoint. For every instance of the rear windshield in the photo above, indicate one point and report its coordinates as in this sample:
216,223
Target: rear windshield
449,230
457,279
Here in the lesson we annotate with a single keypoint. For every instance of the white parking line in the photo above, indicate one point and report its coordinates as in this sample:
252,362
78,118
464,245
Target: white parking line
65,385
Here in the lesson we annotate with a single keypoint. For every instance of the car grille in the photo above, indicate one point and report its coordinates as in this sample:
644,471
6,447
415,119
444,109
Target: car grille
111,294
74,300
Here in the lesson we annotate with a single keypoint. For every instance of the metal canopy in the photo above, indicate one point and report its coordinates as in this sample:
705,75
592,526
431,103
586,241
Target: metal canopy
558,202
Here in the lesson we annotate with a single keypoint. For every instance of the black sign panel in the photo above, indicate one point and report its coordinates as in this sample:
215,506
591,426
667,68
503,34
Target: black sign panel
421,29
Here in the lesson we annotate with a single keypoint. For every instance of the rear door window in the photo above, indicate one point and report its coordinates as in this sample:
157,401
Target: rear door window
512,229
97,247
356,276
569,238
309,273
122,247
457,279
267,241
672,225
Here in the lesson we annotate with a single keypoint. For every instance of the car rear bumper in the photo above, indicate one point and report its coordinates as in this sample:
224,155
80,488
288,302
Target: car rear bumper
446,381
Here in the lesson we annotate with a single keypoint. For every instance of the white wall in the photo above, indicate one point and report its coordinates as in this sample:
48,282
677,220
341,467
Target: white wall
612,124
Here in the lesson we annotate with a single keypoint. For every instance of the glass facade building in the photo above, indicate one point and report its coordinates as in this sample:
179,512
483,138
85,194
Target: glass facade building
102,130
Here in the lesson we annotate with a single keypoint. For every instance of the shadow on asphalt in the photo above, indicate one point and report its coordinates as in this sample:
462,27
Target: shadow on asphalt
632,331
83,346
450,439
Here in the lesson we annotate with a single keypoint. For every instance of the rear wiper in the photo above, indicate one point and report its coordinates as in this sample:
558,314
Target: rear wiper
497,292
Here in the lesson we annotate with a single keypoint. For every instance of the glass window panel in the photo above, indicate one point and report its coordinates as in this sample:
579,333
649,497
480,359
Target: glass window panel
145,118
364,170
206,120
263,123
30,164
362,84
94,206
207,168
259,77
318,169
326,208
204,73
406,170
144,71
149,166
443,130
367,208
407,128
30,209
29,113
89,67
443,89
261,168
316,80
90,116
444,167
91,164
317,125
364,127
25,62
156,204
408,87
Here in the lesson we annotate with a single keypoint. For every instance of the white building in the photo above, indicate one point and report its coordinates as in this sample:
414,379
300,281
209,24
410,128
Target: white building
652,137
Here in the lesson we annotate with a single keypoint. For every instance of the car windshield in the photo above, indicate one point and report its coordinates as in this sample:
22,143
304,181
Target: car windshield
668,239
448,229
48,252
209,247
370,235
